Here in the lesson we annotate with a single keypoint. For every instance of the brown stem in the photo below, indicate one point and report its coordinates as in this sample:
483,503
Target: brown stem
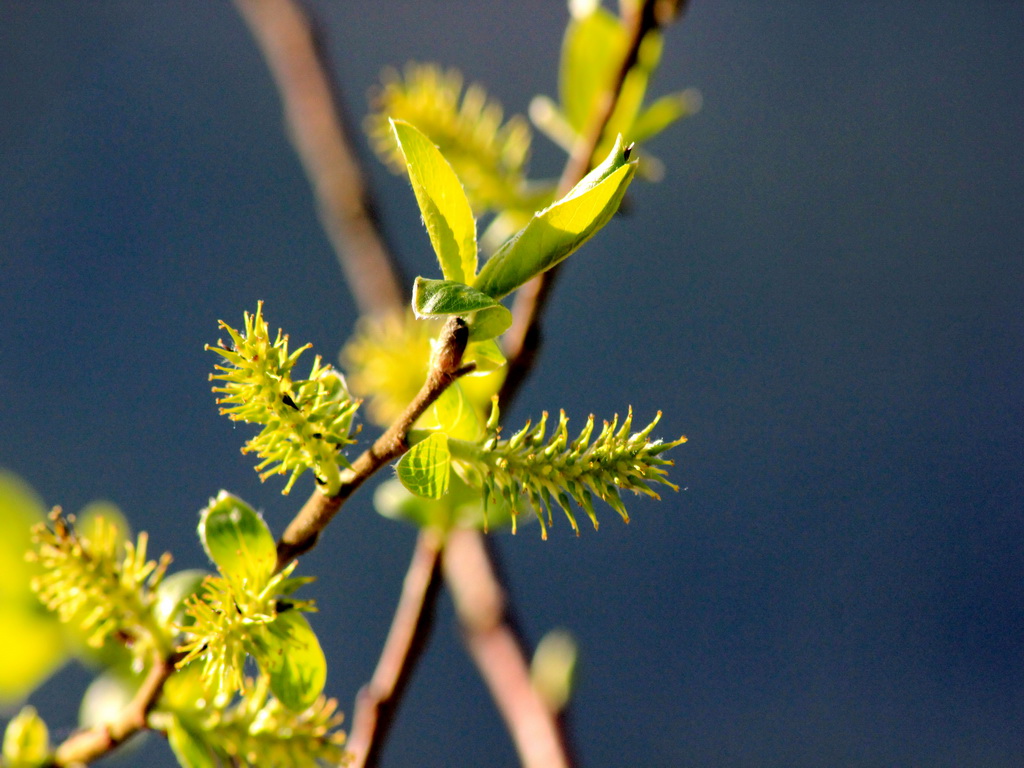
304,529
378,700
313,116
85,746
522,341
497,652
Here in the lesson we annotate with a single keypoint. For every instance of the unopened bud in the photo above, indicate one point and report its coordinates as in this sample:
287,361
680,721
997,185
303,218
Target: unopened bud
27,740
451,345
554,667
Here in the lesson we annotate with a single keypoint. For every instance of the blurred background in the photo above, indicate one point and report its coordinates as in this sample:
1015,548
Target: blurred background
824,295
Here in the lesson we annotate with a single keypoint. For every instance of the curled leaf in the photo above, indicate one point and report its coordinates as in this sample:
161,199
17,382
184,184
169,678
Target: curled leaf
556,232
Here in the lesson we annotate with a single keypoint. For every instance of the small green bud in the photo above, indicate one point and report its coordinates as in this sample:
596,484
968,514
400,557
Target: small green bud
553,668
27,740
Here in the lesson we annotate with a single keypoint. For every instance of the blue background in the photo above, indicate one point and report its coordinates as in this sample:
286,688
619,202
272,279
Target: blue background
824,295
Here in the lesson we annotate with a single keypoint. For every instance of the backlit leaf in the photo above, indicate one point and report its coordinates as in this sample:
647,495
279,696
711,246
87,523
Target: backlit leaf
446,212
237,540
426,467
189,748
32,643
554,233
489,322
435,298
593,46
297,665
487,357
661,114
456,415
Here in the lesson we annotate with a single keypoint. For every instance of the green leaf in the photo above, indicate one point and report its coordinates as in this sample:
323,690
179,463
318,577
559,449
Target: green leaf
486,355
106,697
556,232
392,500
489,322
592,48
461,507
20,509
456,415
188,747
426,467
446,212
661,114
297,665
26,740
238,541
32,646
32,642
634,87
435,298
172,594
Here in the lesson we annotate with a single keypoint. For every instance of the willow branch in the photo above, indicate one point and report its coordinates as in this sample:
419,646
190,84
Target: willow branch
523,339
446,367
85,746
314,120
479,599
377,701
497,652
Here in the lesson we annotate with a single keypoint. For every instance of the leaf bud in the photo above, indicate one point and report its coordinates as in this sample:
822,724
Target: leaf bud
27,740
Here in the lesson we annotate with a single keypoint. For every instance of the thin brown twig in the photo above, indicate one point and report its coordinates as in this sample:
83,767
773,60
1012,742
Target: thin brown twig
377,701
286,38
497,652
305,528
316,126
85,746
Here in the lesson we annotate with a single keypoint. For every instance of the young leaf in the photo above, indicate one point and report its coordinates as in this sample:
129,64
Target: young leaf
485,355
299,675
32,643
556,232
172,594
26,740
456,415
592,48
446,212
426,467
237,540
435,298
188,747
461,507
489,323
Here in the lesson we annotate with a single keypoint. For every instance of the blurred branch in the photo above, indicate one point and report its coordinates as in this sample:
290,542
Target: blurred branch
314,119
378,700
498,652
85,746
523,339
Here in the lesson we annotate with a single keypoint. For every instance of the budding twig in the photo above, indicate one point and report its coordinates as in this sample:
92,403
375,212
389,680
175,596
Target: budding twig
304,529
